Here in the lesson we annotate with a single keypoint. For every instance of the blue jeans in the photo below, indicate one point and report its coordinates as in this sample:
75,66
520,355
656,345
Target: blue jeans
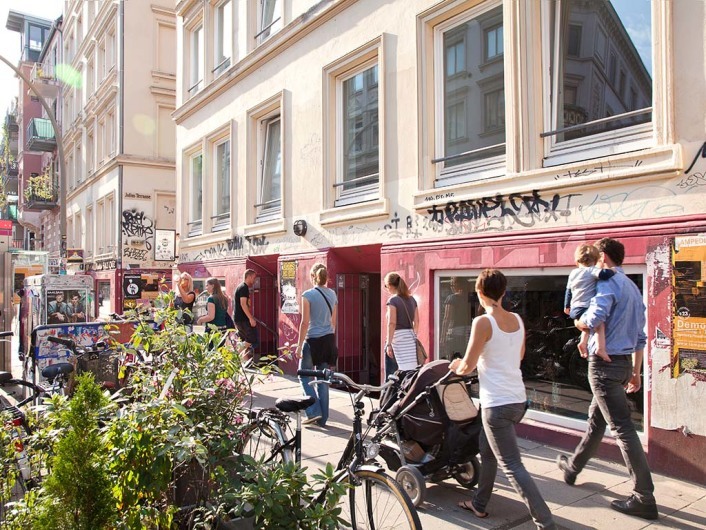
498,442
609,406
320,391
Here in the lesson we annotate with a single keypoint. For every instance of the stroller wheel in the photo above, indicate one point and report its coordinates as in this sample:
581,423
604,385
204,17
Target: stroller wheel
467,473
413,484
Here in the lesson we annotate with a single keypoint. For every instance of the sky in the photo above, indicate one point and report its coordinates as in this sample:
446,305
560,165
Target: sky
10,41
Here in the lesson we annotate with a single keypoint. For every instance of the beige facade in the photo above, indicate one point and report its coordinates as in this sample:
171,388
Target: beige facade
438,138
119,139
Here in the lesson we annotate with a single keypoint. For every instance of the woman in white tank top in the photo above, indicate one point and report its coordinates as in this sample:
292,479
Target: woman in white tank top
496,348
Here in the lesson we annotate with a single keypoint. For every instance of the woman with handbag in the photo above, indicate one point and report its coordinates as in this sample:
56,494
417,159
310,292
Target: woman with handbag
402,325
317,340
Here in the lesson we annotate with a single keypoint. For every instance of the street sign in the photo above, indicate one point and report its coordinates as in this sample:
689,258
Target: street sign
5,227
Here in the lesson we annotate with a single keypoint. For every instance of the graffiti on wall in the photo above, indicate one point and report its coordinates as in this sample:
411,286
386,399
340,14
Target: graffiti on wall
230,248
138,232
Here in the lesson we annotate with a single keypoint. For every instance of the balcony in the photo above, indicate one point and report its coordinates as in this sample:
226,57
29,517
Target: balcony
9,169
40,135
33,201
43,77
11,123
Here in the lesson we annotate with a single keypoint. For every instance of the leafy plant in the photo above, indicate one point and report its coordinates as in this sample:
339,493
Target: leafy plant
40,187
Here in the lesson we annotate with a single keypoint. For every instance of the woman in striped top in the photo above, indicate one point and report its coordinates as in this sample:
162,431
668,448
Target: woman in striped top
402,325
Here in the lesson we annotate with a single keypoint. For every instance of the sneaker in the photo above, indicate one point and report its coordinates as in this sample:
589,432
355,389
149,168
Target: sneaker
563,463
313,419
633,506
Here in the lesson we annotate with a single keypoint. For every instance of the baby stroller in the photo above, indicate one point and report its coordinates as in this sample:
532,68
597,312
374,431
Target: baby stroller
428,428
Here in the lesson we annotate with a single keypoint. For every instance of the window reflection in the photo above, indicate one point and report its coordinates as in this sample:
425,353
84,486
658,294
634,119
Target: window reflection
555,375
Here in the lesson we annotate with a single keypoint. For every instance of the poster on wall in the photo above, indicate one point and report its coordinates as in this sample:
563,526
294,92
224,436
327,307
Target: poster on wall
164,246
689,316
66,306
288,287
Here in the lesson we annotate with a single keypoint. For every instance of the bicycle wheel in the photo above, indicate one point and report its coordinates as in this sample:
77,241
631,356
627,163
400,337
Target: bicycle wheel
379,503
264,440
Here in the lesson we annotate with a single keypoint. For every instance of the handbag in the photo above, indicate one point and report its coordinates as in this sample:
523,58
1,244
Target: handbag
421,352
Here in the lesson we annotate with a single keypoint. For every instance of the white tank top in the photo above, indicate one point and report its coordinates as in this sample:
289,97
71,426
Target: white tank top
499,367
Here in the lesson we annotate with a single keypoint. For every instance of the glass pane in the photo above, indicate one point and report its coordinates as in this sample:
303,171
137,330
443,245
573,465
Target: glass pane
222,199
360,130
474,102
605,64
197,188
36,38
554,373
224,35
270,191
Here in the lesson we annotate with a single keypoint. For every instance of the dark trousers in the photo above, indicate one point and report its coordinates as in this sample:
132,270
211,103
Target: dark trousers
610,407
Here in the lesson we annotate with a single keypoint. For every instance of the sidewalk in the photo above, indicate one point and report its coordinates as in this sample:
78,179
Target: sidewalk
584,506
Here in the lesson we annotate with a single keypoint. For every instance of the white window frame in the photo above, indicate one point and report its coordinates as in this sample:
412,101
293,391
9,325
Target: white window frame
633,138
477,170
223,36
196,59
194,225
221,220
268,210
546,417
266,30
110,223
90,244
101,244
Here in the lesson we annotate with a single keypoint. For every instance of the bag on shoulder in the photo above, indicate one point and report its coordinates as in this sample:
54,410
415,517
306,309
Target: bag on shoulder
421,352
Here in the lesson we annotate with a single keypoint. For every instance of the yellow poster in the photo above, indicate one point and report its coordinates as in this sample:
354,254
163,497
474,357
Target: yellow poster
689,296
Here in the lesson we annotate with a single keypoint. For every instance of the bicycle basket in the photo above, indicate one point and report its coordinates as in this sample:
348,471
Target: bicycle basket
103,366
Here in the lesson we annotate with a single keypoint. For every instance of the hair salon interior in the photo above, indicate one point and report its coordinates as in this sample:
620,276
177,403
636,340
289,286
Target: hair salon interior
436,139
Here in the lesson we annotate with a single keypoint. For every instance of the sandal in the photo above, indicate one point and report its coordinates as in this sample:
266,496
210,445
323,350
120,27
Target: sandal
468,505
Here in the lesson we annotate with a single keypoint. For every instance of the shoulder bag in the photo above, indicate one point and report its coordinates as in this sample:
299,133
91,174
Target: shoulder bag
421,352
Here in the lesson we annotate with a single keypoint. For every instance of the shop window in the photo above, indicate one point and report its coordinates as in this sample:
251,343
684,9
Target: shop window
581,130
554,373
469,74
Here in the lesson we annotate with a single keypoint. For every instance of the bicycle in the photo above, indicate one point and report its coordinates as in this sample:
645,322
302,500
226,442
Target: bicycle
375,500
98,359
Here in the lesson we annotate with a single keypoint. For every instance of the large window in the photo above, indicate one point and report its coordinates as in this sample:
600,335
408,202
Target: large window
221,190
196,66
36,37
269,204
359,146
223,37
600,107
554,373
196,195
469,68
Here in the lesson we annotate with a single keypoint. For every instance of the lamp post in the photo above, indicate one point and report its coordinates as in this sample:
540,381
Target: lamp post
62,167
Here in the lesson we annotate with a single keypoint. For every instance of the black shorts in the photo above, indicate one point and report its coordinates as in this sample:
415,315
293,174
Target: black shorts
247,332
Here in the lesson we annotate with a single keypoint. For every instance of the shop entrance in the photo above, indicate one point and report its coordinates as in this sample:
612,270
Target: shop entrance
359,326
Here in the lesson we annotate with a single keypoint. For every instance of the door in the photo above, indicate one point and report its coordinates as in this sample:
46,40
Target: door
359,326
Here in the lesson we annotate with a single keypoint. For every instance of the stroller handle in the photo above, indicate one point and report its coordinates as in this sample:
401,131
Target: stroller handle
330,376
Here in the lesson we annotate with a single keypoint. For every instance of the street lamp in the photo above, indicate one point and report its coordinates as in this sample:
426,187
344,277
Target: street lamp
62,167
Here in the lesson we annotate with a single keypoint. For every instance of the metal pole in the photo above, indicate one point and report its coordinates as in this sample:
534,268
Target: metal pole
62,167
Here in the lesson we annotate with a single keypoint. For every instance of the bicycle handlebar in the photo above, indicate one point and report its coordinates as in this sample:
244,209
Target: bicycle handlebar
4,334
64,342
330,376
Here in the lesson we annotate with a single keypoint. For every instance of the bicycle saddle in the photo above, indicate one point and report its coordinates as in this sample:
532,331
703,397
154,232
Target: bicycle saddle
5,377
53,370
295,404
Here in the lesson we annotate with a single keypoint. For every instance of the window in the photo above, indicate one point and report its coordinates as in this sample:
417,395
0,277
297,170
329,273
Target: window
36,37
269,203
270,19
554,374
455,58
196,66
90,146
629,55
196,195
89,231
79,165
221,190
224,37
100,233
493,43
471,143
360,171
110,147
110,224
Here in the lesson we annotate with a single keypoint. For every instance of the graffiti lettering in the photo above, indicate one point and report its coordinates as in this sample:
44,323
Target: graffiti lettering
139,254
137,224
692,181
439,196
640,203
586,172
235,246
500,212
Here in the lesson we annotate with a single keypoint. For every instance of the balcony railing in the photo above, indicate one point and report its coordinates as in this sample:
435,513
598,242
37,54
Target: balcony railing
35,202
40,135
44,78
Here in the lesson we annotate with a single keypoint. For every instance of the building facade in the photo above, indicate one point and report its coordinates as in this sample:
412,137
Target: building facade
436,139
118,91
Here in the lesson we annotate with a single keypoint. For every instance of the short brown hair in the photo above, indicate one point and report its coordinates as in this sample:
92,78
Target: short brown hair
491,283
586,255
613,248
248,273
